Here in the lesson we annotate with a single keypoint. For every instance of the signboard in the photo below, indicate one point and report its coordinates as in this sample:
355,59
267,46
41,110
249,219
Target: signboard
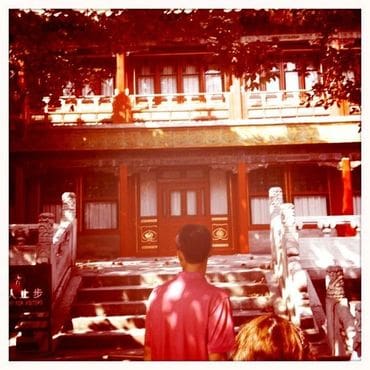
29,288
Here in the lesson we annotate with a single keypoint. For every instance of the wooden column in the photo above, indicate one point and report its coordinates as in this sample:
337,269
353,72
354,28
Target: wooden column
120,72
26,117
123,209
243,209
347,203
235,100
335,191
344,108
347,197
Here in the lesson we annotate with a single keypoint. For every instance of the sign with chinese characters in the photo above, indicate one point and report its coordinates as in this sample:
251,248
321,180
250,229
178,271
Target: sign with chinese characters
29,288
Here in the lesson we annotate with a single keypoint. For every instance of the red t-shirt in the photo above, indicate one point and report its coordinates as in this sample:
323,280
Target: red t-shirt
188,318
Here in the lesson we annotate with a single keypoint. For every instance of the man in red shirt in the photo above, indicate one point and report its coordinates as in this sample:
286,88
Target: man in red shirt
188,318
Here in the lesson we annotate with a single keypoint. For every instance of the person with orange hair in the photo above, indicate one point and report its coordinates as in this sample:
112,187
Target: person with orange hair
270,338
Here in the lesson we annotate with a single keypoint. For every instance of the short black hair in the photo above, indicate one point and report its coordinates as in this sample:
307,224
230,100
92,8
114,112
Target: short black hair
195,242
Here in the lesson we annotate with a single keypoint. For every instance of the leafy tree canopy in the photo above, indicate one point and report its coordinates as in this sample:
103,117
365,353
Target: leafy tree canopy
45,46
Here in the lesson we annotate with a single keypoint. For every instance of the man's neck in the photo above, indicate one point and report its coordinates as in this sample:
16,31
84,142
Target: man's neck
195,267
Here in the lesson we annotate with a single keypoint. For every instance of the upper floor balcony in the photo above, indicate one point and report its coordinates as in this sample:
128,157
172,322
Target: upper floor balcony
232,118
173,109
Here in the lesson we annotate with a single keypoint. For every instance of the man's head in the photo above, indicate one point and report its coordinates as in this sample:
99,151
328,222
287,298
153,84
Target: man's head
195,242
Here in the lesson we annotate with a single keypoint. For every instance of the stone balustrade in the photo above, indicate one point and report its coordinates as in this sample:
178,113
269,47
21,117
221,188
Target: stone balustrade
292,278
41,259
328,223
343,326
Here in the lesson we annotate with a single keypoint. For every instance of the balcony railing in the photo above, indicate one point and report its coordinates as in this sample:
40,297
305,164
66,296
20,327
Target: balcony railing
282,104
97,109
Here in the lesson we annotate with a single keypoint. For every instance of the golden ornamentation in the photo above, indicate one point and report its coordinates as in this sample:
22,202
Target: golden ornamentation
220,232
149,236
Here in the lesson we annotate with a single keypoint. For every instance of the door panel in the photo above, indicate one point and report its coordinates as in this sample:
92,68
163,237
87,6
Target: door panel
179,204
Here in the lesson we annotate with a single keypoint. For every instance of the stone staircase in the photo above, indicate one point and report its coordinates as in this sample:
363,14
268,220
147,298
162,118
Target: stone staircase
106,320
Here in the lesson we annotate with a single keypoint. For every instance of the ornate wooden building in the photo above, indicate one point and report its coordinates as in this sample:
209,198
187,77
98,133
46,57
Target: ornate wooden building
194,147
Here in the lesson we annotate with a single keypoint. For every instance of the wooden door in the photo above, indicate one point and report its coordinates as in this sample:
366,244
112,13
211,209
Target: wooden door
180,203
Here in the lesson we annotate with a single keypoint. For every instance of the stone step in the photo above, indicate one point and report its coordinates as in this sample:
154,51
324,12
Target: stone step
307,322
108,313
314,335
171,264
98,339
126,322
91,279
123,322
118,307
128,293
98,354
320,348
114,293
117,353
242,317
117,332
109,308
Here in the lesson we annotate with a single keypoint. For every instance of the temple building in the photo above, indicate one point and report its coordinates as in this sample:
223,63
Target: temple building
193,146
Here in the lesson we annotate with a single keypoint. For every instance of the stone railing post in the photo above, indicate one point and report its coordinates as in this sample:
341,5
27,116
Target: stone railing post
288,243
69,214
340,322
296,283
290,234
292,278
68,206
356,354
45,242
275,202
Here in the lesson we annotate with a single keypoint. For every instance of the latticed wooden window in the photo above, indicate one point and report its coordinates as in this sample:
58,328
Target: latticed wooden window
310,190
311,179
260,181
168,80
145,81
148,194
100,201
213,81
218,192
190,77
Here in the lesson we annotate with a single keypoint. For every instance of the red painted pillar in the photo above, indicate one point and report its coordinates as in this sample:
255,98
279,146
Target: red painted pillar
347,203
123,209
347,197
243,209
